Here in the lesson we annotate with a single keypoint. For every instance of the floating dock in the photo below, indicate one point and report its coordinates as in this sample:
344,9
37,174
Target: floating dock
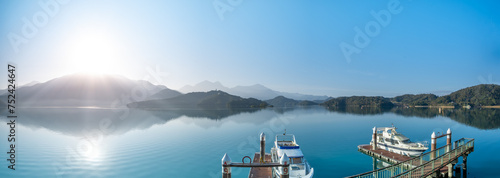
391,157
439,162
383,155
265,172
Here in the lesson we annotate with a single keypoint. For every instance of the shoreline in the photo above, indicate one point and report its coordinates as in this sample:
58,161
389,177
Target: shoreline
495,107
447,107
452,107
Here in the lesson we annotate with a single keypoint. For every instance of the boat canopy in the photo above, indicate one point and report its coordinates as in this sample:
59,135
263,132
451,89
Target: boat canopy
400,137
285,138
385,128
291,153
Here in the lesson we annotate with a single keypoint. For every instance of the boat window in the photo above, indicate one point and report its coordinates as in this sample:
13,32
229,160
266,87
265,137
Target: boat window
285,138
388,140
297,167
295,160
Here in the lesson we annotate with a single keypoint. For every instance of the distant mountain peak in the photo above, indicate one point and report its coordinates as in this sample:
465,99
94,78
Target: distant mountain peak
257,91
80,89
203,86
213,99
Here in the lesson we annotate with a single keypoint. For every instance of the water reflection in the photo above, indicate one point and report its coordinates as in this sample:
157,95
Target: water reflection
479,118
379,164
81,122
214,114
360,110
78,122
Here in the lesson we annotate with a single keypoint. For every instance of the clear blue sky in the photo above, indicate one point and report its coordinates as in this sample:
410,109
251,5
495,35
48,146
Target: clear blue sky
293,46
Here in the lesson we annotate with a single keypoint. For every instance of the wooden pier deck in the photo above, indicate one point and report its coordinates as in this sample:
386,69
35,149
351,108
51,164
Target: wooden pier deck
391,157
265,172
383,155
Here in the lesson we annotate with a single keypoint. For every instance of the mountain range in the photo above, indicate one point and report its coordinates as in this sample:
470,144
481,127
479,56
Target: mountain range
281,101
112,91
253,91
484,95
214,99
79,90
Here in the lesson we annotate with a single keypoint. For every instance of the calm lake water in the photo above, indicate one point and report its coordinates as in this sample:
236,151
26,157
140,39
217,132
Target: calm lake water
138,143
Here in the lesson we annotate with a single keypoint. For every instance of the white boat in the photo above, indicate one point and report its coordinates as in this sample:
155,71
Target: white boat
299,167
389,139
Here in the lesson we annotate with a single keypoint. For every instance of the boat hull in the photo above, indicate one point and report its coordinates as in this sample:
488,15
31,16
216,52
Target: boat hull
403,151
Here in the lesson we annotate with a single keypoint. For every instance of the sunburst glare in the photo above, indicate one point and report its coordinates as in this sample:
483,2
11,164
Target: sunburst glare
92,51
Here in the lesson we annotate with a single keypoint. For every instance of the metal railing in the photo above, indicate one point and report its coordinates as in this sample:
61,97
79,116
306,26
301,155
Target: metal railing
422,162
432,166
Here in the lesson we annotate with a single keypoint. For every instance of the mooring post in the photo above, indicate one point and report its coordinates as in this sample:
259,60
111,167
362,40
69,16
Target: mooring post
433,145
448,140
448,149
374,163
284,169
374,139
450,170
262,147
226,171
464,166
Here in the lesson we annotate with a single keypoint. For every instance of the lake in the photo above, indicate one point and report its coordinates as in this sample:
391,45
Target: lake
89,142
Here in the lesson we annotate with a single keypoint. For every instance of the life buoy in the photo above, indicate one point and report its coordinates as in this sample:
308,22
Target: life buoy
225,169
285,170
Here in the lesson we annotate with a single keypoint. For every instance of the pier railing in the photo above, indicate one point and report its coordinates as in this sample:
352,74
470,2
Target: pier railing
424,164
426,169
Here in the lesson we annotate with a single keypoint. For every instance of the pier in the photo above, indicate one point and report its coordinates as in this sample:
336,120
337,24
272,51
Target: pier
436,163
383,155
265,172
261,165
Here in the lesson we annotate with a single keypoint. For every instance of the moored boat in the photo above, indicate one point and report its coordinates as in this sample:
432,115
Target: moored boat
389,139
286,144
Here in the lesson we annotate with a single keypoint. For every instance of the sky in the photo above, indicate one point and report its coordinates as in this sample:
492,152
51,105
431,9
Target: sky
335,48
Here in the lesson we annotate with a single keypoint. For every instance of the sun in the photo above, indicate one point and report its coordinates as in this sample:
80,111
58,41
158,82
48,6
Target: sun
93,52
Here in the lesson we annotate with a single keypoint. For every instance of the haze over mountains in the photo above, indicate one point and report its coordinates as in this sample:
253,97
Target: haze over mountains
113,91
78,90
253,91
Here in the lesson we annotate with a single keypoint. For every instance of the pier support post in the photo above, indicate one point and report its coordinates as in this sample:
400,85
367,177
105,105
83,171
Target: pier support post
464,166
433,145
262,147
458,170
226,171
374,139
374,164
284,169
448,140
450,170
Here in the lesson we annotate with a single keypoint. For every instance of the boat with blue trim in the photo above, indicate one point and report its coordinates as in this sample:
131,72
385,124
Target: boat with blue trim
390,140
286,144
